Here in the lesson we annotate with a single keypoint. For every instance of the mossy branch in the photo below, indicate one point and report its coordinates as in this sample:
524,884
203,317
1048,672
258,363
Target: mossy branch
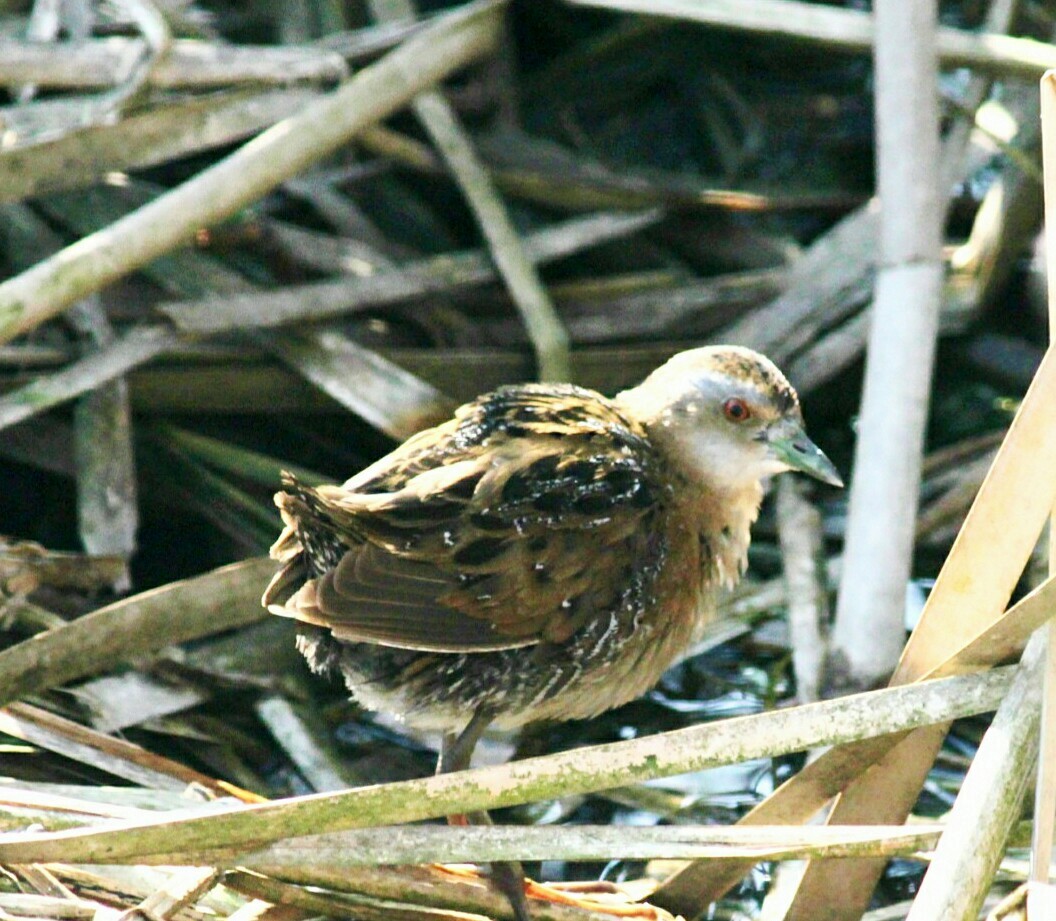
580,771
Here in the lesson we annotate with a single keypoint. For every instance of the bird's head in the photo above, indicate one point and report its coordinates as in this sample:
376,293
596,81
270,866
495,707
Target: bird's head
728,416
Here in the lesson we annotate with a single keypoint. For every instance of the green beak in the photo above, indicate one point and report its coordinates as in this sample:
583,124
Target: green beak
790,445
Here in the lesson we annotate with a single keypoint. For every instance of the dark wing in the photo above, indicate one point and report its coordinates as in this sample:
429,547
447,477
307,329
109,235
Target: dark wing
519,521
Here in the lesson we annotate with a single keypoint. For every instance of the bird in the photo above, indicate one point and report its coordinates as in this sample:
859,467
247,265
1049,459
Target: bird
545,554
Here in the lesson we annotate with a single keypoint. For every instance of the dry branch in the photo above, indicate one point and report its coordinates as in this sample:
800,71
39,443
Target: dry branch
413,844
107,510
326,299
802,556
106,753
383,393
317,356
548,336
104,62
47,906
388,397
825,285
157,39
138,345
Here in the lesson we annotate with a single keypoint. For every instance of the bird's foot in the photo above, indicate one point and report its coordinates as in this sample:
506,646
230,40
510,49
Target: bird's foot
597,896
510,880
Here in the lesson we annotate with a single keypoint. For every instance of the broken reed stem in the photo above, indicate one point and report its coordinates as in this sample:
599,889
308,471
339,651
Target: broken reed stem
107,507
548,336
581,771
799,529
172,219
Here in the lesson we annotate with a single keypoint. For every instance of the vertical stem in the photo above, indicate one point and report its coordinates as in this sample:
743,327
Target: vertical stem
869,635
1045,792
171,220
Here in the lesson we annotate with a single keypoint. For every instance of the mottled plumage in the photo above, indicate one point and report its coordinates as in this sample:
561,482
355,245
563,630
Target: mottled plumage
546,553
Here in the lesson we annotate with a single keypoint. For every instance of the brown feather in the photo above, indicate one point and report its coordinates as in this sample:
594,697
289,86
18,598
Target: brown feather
492,548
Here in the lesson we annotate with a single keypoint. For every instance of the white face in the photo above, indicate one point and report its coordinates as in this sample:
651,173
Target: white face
718,429
726,416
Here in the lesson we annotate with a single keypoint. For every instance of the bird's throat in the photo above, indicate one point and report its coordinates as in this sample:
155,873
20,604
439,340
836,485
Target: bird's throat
722,520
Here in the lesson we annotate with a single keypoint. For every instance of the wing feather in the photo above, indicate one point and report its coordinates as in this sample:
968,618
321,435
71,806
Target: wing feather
516,523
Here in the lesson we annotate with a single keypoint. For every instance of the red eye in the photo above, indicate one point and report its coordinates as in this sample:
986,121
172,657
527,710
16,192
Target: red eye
736,410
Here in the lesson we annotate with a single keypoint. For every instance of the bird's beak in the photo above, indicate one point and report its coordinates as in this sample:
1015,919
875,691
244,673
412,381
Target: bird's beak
790,445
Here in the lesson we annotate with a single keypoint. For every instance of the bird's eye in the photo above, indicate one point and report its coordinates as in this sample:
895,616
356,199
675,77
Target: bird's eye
736,410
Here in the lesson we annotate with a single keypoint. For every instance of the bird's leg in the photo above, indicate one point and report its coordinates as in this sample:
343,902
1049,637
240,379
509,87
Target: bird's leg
456,751
456,748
